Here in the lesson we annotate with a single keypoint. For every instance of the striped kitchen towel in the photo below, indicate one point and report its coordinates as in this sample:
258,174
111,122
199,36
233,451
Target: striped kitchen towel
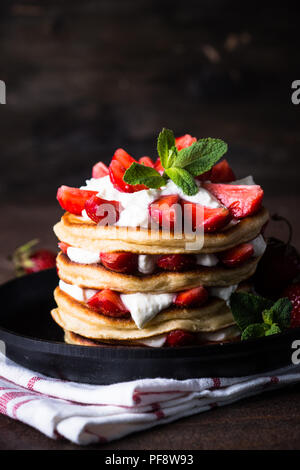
86,414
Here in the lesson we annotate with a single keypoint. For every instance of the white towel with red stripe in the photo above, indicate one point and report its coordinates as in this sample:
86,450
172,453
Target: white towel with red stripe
86,414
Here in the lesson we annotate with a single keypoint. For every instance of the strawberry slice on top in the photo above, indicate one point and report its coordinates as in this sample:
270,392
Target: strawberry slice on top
146,161
100,170
158,166
237,255
73,199
166,211
101,211
121,161
240,200
222,173
184,141
197,216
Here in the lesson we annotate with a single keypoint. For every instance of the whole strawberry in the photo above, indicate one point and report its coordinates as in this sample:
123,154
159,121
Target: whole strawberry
279,266
28,261
293,294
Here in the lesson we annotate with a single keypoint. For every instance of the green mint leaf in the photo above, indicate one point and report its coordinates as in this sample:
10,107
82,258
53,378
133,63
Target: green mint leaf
273,330
201,156
166,148
256,330
247,308
141,174
279,313
183,179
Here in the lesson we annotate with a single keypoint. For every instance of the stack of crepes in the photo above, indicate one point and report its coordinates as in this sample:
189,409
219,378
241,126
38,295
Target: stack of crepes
123,282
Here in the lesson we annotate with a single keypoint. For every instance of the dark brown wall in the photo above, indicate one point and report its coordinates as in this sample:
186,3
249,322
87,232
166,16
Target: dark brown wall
85,77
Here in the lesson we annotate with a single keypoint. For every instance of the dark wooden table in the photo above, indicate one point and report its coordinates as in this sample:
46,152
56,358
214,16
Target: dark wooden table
268,421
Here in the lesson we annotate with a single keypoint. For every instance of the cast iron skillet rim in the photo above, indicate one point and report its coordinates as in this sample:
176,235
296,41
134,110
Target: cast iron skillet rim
136,352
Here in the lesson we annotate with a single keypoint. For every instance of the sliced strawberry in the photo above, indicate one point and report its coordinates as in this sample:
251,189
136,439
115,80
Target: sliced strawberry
100,210
73,199
195,296
100,170
146,161
176,262
241,200
166,211
64,247
180,338
205,176
109,303
222,173
158,166
184,141
120,163
236,255
120,262
197,216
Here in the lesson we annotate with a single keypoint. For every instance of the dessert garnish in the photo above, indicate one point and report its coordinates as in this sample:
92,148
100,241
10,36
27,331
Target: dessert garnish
27,260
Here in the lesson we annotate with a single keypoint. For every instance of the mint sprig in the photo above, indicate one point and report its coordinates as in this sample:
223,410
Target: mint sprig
180,166
257,316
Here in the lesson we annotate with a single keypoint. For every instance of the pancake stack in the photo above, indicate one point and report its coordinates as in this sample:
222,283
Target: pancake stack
127,285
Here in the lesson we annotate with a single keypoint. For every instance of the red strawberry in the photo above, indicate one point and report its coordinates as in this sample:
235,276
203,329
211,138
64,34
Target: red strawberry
195,296
146,161
166,211
196,216
120,262
176,262
101,211
73,199
205,176
27,261
64,247
236,255
158,166
120,163
100,170
184,141
180,338
293,294
222,173
241,200
109,303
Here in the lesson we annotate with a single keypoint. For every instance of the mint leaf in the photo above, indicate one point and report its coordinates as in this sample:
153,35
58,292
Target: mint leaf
279,313
273,330
256,330
166,148
141,174
183,179
200,156
247,308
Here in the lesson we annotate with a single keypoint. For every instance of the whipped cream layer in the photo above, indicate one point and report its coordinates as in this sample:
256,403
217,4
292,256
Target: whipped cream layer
142,307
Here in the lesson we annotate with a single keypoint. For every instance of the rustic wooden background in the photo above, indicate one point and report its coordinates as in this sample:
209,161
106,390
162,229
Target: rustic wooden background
84,78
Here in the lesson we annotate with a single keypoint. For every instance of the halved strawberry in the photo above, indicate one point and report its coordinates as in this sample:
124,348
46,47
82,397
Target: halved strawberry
204,177
100,210
73,199
158,166
222,173
236,255
166,211
180,338
146,161
120,262
197,216
184,141
176,262
241,200
108,303
196,296
121,161
100,170
64,247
